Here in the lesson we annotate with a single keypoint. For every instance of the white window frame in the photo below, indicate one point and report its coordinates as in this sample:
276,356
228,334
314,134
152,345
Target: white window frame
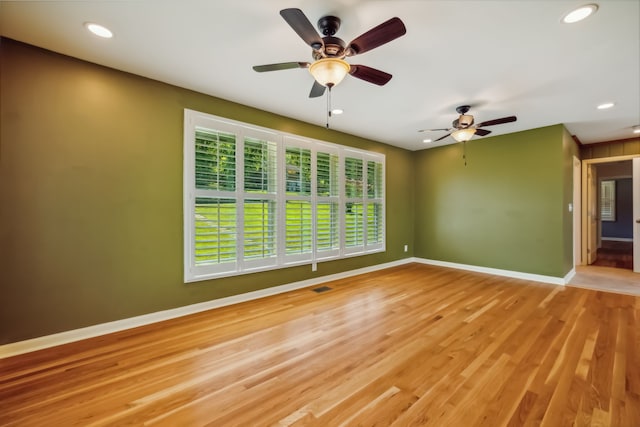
192,272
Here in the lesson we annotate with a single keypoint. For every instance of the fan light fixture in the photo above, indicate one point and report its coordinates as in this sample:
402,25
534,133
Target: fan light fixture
329,72
462,135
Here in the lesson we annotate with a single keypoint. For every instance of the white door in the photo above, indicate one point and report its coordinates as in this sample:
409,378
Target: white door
636,214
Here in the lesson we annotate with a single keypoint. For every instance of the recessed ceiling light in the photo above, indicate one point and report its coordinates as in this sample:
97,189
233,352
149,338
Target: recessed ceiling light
605,105
336,111
426,140
579,14
99,30
636,129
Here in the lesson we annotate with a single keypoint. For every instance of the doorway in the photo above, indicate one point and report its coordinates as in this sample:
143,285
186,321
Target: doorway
608,260
610,210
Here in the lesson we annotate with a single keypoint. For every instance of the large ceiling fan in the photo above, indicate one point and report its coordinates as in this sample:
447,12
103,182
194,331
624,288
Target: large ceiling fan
329,52
462,129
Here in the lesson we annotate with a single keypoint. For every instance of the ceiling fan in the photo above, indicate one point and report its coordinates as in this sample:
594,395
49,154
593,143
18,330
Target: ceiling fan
462,129
329,66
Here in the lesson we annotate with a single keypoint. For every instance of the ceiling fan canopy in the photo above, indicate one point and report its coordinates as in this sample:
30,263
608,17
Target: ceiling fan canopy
329,52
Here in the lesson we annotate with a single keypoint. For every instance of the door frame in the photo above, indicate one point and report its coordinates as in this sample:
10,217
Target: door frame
585,199
635,188
577,211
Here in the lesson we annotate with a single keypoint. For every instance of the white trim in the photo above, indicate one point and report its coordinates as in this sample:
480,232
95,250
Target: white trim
569,276
577,212
497,272
618,239
39,343
636,214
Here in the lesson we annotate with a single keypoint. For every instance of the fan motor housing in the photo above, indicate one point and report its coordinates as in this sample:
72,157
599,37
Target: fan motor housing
465,120
333,48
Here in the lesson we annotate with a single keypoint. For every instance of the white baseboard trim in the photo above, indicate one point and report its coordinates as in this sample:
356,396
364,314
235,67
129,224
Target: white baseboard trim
39,343
617,239
496,271
569,275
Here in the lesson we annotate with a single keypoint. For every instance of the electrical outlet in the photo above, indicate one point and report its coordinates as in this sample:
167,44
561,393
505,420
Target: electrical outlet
314,266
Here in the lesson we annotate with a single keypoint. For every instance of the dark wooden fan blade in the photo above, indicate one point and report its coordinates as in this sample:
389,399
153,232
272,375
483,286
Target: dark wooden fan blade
442,137
370,75
301,25
498,121
482,132
316,90
280,66
377,36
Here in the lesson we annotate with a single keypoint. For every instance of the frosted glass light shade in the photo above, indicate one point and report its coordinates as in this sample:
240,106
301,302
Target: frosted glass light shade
329,71
462,135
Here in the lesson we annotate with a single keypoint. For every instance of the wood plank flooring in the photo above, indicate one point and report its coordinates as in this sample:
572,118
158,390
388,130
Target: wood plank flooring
615,254
414,345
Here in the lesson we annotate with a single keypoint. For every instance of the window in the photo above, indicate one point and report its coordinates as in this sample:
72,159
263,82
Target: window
364,203
608,200
259,202
256,199
353,208
375,203
214,210
327,202
298,219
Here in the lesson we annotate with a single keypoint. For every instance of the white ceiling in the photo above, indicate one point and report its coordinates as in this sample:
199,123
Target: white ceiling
502,57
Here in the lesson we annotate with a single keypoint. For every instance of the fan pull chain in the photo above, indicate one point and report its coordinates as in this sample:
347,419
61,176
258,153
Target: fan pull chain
328,104
464,152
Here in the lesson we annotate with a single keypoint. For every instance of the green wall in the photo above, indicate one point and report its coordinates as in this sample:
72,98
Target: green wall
91,195
506,209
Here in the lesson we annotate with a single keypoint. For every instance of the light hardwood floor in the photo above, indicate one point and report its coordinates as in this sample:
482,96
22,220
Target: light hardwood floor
408,346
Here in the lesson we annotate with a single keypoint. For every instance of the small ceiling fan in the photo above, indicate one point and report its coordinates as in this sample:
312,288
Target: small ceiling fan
329,52
462,129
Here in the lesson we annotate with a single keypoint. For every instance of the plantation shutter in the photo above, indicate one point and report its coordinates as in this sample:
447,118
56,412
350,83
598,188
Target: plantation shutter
298,204
215,160
354,206
259,203
215,230
375,206
213,236
327,204
256,199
